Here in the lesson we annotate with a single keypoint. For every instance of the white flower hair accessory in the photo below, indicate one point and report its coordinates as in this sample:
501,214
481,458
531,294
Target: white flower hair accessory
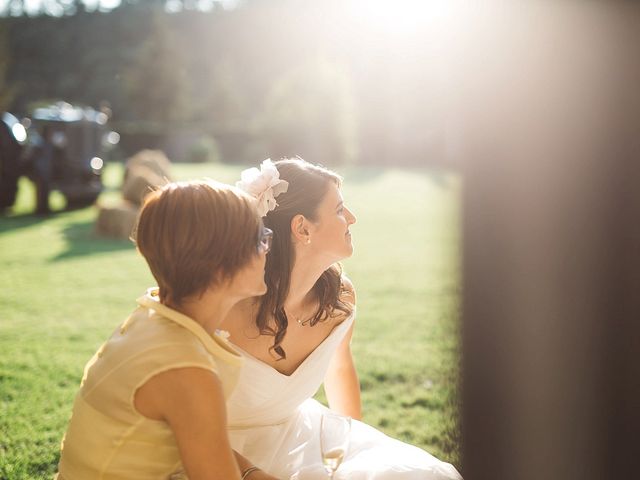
264,185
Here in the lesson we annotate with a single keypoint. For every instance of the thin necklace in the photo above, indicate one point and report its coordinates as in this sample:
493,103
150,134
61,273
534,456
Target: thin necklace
298,319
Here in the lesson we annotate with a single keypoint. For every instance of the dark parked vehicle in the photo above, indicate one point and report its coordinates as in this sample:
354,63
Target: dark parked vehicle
61,149
12,138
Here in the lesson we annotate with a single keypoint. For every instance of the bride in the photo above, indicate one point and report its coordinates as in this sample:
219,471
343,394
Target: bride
298,336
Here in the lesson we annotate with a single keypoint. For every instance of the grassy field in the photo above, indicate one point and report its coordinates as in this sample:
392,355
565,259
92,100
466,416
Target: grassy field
62,292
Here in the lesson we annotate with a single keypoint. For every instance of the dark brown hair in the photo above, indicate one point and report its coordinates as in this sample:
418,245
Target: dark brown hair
308,185
195,234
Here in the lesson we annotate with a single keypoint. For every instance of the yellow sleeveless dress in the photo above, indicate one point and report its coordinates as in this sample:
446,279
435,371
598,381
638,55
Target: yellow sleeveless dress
107,438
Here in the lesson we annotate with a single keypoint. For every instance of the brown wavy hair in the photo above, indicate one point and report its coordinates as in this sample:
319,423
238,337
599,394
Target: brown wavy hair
196,234
308,184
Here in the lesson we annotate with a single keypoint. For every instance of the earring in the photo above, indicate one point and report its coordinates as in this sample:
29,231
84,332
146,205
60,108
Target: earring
308,240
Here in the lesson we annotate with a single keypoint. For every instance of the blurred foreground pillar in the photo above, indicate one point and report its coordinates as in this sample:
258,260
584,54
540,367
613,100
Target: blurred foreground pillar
547,130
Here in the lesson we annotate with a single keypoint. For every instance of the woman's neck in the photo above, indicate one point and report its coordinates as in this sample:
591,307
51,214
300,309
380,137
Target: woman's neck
303,278
209,309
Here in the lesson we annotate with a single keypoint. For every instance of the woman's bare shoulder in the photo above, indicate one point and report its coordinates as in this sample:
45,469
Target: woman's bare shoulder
348,291
348,299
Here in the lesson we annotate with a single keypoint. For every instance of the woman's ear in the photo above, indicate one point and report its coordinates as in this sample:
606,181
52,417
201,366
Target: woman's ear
300,229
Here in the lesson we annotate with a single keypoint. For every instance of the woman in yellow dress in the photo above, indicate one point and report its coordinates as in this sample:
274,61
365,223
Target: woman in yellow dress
144,409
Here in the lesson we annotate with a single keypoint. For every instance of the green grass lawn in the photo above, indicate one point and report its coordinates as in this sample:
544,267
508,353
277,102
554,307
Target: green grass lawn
63,290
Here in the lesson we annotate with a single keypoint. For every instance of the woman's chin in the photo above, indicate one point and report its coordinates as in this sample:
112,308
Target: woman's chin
262,290
348,252
349,246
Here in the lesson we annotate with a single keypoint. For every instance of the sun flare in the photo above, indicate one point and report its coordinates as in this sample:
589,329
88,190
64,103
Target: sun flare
403,16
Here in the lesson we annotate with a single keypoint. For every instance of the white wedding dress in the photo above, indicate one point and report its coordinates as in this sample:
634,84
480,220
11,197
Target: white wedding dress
275,423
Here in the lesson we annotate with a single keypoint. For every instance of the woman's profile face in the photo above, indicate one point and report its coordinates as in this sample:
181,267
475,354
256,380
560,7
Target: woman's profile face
330,235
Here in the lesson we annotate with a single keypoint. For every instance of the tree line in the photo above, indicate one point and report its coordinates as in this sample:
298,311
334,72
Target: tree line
266,78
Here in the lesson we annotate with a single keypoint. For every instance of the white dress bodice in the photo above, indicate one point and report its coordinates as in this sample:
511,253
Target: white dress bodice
275,423
264,396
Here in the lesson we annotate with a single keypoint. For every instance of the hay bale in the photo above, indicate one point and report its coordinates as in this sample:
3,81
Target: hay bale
139,183
154,160
116,221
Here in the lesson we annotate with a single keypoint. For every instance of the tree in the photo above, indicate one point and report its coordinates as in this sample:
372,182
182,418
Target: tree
310,112
7,91
156,81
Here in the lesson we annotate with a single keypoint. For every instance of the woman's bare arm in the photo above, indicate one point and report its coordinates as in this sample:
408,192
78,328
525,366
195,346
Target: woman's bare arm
341,382
191,401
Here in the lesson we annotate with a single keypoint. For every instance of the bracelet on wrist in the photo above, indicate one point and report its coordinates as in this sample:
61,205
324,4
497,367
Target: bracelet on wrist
248,472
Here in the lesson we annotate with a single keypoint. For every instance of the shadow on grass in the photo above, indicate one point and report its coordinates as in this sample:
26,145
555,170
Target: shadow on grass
10,220
16,222
82,240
